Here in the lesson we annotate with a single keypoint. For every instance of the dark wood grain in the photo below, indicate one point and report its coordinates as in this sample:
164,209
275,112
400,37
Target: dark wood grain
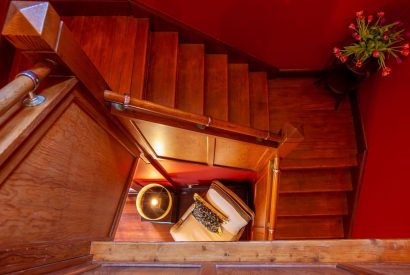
190,84
216,86
312,204
309,228
138,80
162,68
239,102
323,180
259,100
27,256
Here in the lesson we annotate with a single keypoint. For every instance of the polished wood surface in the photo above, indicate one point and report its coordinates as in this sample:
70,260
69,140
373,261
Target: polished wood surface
132,229
35,27
17,89
216,86
312,204
312,251
323,180
262,191
309,228
238,101
140,58
24,123
259,110
174,117
162,69
190,83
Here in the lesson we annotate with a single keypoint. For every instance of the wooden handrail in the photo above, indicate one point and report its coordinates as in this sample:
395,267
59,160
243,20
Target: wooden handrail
17,89
201,121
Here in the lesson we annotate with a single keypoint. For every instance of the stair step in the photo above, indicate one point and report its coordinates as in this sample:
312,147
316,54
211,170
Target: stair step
190,83
238,85
259,98
317,180
216,86
312,204
290,228
162,71
140,59
318,163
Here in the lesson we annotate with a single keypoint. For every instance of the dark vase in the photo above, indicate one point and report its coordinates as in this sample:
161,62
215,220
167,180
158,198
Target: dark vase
369,67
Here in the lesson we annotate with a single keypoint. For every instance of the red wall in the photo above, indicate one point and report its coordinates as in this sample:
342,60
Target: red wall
300,34
285,33
384,205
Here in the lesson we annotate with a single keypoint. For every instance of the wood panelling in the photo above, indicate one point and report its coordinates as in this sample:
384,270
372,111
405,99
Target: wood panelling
190,84
320,251
239,102
132,229
30,255
162,70
238,154
174,143
147,269
261,200
216,86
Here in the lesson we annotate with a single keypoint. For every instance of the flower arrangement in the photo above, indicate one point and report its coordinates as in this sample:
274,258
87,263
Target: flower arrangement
374,39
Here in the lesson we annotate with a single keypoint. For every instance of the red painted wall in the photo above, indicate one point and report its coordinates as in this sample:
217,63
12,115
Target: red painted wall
384,205
295,34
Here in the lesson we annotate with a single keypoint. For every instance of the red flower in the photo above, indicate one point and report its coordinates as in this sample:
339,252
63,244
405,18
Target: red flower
380,14
336,50
343,58
359,63
406,46
359,14
352,26
405,52
376,53
369,18
354,34
358,37
385,37
386,71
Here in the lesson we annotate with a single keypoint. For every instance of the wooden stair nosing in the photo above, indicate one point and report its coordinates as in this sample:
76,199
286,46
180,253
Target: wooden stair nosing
319,163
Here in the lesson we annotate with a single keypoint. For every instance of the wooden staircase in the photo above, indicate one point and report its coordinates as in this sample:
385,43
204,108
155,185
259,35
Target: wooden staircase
187,76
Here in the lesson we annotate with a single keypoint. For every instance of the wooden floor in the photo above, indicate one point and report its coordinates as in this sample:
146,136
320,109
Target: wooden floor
131,228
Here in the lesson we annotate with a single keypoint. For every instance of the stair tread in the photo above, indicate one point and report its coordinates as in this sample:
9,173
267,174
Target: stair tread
162,68
312,204
288,228
190,82
318,163
316,180
238,85
259,98
216,86
140,59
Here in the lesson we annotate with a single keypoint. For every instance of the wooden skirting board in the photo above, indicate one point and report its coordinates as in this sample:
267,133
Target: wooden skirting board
324,251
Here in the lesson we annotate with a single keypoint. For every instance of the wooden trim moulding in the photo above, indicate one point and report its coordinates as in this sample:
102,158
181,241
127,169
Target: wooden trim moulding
311,251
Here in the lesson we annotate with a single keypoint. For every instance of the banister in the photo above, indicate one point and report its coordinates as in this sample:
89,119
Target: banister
202,122
22,85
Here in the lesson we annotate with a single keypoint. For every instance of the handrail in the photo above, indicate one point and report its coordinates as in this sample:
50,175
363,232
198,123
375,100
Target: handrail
202,122
24,83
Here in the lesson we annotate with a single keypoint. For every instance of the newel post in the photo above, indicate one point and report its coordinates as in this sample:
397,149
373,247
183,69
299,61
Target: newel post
37,29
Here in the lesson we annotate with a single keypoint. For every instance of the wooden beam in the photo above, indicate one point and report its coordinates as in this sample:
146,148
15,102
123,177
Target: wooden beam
325,251
35,28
